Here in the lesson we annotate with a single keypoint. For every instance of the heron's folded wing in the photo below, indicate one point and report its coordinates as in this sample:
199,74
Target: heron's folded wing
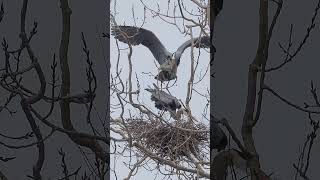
135,36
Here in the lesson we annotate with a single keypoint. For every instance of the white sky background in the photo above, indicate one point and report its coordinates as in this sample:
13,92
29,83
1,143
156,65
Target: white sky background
143,61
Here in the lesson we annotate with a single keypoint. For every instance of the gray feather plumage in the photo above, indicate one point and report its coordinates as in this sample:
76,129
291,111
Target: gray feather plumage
135,36
202,42
163,100
168,61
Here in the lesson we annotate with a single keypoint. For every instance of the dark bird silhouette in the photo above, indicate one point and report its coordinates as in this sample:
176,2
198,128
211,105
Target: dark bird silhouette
163,100
218,139
168,61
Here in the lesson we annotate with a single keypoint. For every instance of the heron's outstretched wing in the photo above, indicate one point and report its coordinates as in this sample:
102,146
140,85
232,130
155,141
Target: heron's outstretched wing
135,36
200,42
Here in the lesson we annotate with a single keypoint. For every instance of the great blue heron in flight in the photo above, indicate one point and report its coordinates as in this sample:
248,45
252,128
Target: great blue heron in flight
163,100
168,61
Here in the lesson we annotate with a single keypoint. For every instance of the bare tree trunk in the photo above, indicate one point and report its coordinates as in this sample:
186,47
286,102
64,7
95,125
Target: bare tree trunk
248,119
65,88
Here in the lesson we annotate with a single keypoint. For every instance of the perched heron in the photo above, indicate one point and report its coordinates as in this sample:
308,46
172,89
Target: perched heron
218,139
168,61
163,100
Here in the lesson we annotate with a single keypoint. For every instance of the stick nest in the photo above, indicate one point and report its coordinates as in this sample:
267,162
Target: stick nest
166,140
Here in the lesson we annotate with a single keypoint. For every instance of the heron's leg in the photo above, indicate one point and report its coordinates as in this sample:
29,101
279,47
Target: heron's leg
167,85
175,81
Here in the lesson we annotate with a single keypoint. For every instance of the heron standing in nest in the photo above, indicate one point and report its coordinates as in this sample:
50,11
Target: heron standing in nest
163,100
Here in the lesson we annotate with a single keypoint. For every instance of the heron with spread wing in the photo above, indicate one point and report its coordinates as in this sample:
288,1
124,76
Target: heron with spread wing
168,61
